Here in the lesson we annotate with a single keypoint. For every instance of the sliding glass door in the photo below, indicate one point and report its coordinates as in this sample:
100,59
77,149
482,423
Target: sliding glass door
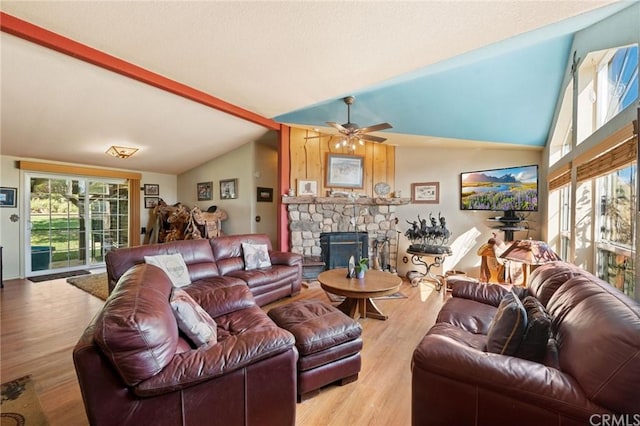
73,221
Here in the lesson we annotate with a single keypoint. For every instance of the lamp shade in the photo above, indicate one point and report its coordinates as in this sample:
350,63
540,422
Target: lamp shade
530,252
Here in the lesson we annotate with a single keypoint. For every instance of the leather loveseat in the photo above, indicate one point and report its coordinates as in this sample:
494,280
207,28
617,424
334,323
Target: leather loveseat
588,372
221,260
135,368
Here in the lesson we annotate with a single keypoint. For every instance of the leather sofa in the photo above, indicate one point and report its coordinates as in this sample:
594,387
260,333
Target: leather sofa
135,368
589,372
221,260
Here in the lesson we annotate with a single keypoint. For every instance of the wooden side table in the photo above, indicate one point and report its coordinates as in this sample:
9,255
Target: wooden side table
359,293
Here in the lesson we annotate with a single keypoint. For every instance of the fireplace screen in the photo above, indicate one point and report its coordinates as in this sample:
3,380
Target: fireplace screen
338,247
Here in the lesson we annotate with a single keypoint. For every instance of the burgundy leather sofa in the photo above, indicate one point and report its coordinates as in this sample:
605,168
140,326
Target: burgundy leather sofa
590,372
221,260
135,368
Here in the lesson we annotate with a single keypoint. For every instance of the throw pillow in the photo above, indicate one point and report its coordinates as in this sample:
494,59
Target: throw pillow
508,326
534,344
173,265
192,320
255,256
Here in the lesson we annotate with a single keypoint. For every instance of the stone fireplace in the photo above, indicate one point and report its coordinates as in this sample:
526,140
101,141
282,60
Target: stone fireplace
311,216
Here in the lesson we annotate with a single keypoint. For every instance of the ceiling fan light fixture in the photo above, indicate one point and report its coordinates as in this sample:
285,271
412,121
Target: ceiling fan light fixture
353,131
121,151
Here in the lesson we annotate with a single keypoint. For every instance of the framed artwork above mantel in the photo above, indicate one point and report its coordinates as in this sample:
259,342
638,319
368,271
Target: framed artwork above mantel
345,171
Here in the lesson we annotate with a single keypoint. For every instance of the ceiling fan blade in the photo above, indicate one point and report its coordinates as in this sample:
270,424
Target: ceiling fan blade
372,138
375,128
337,126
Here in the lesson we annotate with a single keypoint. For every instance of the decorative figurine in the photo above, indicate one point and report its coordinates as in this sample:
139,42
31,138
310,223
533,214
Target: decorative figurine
431,237
351,270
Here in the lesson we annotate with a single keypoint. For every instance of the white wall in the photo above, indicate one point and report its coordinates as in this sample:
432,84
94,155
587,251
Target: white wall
237,164
253,164
266,175
469,229
12,233
168,186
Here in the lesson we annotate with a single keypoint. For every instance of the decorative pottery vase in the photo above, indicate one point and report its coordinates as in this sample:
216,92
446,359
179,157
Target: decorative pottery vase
360,274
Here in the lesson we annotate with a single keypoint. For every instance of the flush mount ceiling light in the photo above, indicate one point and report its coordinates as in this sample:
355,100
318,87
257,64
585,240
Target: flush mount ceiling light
121,151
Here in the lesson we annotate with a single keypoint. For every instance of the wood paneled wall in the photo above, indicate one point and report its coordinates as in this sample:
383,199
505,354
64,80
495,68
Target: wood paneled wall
309,160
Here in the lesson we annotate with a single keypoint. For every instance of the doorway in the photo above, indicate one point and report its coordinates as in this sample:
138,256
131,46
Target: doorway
73,222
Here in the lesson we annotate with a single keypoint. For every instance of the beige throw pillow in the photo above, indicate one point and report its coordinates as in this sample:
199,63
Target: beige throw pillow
173,265
192,320
255,256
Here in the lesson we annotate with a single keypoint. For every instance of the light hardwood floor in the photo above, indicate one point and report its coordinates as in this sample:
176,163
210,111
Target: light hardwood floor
41,322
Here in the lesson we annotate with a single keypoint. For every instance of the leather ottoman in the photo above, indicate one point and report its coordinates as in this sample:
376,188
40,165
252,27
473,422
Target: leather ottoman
328,343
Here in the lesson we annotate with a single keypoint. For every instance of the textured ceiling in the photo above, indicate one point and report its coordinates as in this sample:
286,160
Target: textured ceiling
438,71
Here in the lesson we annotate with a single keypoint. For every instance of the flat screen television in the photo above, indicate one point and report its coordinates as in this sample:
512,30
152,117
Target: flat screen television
508,190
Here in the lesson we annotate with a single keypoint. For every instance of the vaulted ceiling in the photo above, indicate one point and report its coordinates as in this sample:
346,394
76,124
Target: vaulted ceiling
438,71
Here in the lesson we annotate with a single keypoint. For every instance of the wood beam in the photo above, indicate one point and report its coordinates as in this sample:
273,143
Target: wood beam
284,171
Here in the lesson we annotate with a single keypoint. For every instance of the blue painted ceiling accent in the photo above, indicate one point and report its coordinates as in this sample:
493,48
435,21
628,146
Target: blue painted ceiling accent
506,92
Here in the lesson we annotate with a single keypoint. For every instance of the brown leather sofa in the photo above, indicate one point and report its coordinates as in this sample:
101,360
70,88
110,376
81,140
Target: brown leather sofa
220,259
135,368
589,374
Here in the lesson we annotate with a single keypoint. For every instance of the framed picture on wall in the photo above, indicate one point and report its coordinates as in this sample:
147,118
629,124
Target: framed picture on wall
307,187
8,197
425,192
228,189
345,171
205,191
150,202
151,189
265,194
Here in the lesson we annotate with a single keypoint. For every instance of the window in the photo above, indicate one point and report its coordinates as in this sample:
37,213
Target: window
616,192
607,84
73,231
616,228
565,222
592,151
75,221
563,132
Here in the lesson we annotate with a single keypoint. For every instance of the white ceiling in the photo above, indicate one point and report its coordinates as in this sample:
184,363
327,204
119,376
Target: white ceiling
268,57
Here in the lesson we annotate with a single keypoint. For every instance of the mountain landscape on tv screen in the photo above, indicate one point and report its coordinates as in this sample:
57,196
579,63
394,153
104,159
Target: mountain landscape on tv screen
481,177
482,191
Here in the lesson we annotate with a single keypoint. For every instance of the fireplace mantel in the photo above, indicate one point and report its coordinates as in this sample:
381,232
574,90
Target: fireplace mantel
366,201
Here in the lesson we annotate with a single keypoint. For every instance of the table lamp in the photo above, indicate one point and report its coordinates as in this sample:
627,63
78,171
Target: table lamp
529,252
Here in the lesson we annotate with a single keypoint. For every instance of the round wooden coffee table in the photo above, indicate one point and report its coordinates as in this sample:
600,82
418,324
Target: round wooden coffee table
359,293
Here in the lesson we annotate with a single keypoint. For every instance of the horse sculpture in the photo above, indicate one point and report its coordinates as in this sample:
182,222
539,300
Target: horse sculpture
432,236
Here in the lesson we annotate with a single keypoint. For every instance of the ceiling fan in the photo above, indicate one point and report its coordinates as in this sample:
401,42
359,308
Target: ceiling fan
353,132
